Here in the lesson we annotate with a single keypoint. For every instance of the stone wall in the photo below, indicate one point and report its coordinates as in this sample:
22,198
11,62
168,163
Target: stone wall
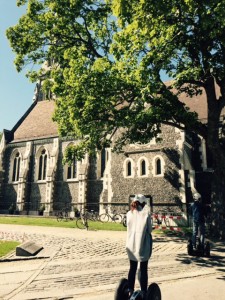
94,190
37,195
164,189
114,188
9,197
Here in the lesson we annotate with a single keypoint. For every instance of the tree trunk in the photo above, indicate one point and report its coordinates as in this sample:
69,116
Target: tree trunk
218,156
218,191
218,202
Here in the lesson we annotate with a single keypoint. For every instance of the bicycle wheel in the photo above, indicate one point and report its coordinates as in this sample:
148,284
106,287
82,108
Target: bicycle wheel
117,218
59,216
90,216
125,221
66,215
80,223
94,216
104,218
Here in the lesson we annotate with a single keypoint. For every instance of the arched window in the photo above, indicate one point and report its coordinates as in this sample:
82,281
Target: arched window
143,167
128,168
16,167
103,161
158,167
42,171
72,170
129,173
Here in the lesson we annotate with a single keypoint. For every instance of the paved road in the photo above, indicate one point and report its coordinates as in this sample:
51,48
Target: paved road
87,265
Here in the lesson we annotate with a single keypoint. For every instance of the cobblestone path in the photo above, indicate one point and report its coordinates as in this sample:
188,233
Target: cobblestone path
93,264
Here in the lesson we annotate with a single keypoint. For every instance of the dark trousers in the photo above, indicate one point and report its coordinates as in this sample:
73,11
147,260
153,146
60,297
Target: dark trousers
143,275
198,230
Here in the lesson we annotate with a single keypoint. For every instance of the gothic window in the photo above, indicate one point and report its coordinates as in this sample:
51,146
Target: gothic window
103,157
143,167
42,171
158,166
103,161
16,167
72,170
128,168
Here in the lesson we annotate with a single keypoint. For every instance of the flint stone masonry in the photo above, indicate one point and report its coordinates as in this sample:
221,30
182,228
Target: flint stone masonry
28,248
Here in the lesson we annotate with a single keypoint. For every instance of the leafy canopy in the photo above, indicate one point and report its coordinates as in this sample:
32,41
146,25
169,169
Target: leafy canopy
104,60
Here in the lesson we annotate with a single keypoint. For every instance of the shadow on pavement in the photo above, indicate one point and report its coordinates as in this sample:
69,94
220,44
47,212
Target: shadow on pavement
216,259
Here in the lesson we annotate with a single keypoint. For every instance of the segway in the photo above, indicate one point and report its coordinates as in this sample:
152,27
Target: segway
122,292
201,250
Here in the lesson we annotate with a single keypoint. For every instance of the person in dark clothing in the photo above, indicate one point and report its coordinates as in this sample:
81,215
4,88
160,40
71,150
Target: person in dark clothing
198,214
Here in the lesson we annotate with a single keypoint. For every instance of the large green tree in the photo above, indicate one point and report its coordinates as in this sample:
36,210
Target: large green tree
105,61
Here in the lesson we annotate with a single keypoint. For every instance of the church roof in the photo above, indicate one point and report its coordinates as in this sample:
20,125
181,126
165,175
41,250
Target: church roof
199,104
196,104
36,123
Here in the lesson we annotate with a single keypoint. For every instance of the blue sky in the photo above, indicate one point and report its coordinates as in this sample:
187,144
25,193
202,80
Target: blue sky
16,90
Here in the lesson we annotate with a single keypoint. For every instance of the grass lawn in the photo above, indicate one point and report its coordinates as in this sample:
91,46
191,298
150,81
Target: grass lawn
7,247
52,222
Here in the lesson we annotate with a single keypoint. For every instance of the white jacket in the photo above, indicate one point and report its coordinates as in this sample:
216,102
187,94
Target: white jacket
139,239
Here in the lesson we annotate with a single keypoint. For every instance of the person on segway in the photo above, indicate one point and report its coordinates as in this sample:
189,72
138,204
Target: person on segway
138,243
198,214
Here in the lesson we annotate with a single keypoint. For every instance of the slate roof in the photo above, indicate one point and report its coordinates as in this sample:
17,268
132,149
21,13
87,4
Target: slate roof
196,104
36,123
199,104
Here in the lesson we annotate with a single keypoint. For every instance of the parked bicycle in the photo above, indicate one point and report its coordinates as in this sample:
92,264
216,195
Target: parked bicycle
157,219
115,217
62,215
82,221
92,215
124,220
162,219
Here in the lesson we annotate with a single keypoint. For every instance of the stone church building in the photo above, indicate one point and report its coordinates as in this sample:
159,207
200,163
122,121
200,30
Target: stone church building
32,175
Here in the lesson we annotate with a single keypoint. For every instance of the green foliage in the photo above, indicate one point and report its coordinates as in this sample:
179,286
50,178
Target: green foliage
74,151
104,61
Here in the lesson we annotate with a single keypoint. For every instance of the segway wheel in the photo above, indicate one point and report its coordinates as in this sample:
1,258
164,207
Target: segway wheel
137,295
121,292
200,249
207,249
153,292
190,247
